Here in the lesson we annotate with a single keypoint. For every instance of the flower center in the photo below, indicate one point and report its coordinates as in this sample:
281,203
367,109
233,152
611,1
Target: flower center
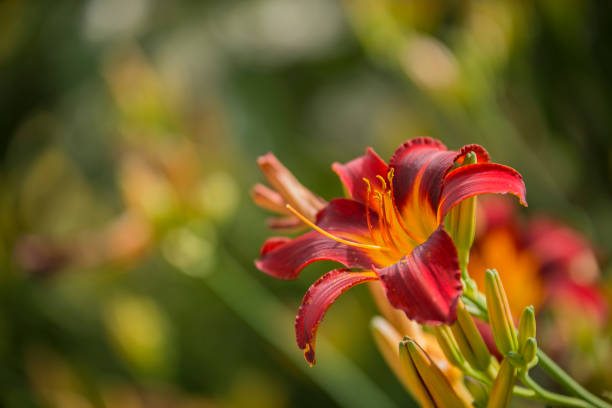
391,229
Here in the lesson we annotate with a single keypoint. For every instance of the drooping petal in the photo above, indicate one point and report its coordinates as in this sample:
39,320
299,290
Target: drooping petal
419,167
475,179
285,261
426,284
352,173
284,258
318,299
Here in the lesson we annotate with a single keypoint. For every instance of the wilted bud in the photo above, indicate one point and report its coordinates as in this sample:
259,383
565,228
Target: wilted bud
431,387
500,318
527,327
470,340
449,346
288,191
460,222
502,387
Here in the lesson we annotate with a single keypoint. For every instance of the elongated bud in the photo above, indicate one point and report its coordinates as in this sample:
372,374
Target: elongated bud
387,339
460,222
501,392
527,327
441,394
479,392
449,346
470,340
415,382
500,318
530,350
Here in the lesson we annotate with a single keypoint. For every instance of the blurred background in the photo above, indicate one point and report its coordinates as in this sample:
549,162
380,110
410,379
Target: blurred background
130,131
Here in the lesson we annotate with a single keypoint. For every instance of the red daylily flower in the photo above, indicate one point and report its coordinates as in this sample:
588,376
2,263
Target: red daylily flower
391,229
544,263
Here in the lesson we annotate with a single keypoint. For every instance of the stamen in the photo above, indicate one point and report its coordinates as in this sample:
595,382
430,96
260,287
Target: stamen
328,235
400,221
382,181
369,221
384,226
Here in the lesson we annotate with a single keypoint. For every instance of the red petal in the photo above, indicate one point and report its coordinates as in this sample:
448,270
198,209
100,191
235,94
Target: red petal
420,166
318,299
346,217
427,283
481,153
286,261
353,173
475,179
284,258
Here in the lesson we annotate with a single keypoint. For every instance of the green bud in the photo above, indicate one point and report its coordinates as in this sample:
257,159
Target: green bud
500,318
478,391
527,327
413,357
449,346
460,222
501,392
469,340
529,352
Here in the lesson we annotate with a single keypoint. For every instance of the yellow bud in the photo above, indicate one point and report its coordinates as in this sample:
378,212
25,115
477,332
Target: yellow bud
469,339
478,391
449,346
527,327
500,318
414,359
502,387
413,379
387,339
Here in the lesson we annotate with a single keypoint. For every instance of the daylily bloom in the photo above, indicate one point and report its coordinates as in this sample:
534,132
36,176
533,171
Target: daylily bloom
555,260
391,228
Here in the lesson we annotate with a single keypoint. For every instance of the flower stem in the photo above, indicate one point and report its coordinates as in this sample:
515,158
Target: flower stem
551,397
568,382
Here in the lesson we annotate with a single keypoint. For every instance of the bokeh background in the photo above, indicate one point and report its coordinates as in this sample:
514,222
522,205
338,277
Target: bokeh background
130,132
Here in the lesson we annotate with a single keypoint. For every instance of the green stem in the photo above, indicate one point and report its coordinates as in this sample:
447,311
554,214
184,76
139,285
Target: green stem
551,397
568,382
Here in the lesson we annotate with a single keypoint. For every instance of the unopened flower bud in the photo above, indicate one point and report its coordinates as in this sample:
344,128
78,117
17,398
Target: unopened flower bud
478,391
500,318
501,392
470,340
387,340
460,222
449,346
527,327
530,350
434,387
